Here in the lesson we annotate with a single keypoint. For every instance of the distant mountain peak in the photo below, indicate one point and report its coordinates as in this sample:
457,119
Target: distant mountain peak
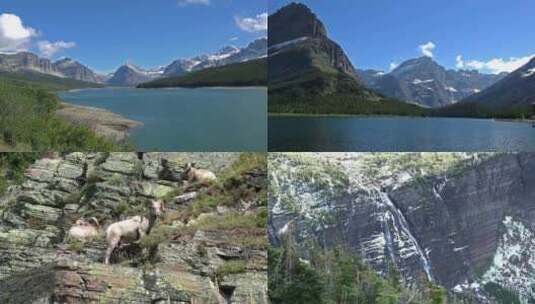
425,82
228,49
65,59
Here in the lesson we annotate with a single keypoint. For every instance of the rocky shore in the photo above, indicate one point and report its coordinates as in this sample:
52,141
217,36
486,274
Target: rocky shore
103,122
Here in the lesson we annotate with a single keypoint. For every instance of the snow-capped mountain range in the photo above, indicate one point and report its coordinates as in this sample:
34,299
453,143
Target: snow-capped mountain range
130,74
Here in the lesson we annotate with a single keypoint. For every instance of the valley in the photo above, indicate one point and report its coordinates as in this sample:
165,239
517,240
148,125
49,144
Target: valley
130,118
311,74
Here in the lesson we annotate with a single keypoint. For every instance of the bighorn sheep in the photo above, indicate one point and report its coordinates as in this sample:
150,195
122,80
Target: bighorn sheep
202,176
84,230
132,230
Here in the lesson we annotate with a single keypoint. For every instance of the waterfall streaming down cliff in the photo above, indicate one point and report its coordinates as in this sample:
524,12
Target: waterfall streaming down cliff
400,221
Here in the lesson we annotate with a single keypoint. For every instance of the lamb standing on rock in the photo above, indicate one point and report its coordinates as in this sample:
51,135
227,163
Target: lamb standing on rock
131,230
202,176
84,230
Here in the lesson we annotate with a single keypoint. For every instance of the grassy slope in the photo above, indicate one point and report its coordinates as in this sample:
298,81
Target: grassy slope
27,119
49,82
250,73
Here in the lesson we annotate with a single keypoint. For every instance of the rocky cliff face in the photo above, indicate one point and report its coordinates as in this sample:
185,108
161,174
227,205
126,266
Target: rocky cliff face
27,61
65,68
462,221
75,70
294,21
196,253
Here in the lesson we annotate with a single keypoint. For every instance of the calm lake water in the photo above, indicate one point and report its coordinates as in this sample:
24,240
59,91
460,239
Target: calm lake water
205,119
391,134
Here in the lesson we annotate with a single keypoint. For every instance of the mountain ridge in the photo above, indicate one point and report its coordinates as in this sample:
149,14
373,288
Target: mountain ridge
129,74
516,89
425,82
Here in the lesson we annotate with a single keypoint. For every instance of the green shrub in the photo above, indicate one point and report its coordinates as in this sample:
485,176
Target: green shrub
28,118
501,294
158,235
75,245
230,267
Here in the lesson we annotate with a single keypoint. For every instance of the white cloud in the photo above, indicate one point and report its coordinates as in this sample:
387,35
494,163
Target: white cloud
459,63
495,65
234,38
193,2
14,36
427,49
48,49
393,65
259,23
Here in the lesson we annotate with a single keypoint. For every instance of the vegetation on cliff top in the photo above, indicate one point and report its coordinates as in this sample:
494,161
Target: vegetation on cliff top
250,73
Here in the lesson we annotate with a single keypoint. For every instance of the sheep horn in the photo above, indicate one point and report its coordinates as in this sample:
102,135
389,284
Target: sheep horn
95,220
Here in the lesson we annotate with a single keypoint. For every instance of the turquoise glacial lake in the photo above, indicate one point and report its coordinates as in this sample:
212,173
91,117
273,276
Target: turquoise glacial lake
180,119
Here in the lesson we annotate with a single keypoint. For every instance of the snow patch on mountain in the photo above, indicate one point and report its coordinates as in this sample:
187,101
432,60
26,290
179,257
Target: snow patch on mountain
418,81
287,43
529,73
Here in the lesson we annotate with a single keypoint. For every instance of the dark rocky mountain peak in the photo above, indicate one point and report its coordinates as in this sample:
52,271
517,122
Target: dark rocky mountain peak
294,21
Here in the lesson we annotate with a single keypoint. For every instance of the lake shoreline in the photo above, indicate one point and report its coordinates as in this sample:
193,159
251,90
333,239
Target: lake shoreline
209,87
337,115
170,88
274,115
103,122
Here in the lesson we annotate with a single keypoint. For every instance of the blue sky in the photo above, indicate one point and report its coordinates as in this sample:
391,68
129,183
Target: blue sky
378,33
104,34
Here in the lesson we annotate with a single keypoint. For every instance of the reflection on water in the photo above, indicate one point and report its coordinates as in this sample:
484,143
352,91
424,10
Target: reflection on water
393,134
